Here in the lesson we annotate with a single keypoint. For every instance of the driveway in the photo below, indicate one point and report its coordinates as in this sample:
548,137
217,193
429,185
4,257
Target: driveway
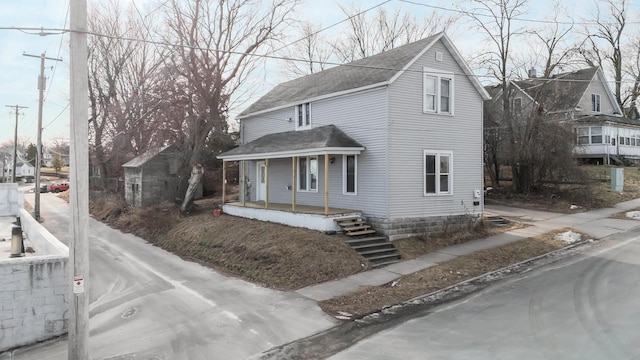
148,303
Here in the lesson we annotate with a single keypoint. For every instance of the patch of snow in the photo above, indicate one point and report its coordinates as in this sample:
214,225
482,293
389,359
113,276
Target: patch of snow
344,313
635,215
395,283
568,237
573,207
340,317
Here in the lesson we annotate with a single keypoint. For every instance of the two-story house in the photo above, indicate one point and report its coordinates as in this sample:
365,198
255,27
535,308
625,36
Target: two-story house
395,137
583,98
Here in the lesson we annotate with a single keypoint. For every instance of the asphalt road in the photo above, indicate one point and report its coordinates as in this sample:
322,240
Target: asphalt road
584,307
149,304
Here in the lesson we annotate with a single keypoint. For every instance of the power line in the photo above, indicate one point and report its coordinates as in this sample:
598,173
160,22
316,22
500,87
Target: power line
466,12
55,66
333,25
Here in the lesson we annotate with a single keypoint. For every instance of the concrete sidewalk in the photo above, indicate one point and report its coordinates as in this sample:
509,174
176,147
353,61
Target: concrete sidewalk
595,223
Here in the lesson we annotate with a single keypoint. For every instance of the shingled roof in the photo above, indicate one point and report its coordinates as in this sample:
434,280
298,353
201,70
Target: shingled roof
320,140
144,157
372,70
560,92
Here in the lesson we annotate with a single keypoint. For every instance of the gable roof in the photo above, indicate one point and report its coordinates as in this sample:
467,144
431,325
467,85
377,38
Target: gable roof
146,156
369,72
321,140
563,91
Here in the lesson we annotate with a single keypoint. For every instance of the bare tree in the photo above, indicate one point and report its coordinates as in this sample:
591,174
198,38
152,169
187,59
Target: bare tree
633,72
495,19
309,54
122,75
553,48
604,46
369,35
216,43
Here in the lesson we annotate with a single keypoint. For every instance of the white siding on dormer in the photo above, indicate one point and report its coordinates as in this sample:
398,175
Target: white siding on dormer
411,132
597,86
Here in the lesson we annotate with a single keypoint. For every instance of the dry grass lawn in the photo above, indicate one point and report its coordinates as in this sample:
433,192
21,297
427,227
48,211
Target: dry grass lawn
374,298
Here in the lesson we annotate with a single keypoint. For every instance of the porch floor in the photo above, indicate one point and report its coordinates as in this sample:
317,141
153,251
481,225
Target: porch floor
302,209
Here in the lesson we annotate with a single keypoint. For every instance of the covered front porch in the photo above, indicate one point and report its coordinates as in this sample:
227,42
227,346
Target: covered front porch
285,177
306,216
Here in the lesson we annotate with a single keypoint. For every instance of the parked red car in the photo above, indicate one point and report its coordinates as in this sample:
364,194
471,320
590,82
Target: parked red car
55,188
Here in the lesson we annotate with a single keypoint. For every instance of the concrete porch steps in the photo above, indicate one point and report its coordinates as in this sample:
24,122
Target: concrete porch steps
378,250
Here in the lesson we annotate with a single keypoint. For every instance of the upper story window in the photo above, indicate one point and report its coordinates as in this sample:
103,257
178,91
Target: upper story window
437,90
595,102
517,105
303,116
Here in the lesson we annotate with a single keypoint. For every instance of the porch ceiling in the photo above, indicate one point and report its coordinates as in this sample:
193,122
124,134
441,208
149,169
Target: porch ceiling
318,141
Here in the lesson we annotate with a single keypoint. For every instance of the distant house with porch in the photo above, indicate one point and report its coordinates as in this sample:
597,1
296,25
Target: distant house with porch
395,138
153,177
583,99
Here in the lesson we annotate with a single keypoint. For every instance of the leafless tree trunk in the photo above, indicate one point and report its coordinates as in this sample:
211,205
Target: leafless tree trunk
216,41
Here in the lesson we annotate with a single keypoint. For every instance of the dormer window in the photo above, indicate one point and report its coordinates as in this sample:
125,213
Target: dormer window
595,102
303,116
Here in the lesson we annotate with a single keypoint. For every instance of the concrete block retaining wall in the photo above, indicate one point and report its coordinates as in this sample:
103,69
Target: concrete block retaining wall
34,290
401,228
33,294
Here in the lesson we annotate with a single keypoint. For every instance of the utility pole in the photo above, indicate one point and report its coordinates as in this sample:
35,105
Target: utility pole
15,141
78,344
42,84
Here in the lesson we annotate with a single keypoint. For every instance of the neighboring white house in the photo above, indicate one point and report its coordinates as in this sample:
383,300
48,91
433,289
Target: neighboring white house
396,137
24,170
584,99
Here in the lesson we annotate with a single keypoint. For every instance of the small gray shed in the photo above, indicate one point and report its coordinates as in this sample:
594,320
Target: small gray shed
153,177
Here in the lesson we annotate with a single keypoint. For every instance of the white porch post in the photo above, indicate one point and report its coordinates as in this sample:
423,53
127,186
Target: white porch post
224,180
293,181
266,180
326,184
244,183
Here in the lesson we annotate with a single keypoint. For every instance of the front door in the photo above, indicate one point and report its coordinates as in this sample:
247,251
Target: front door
261,189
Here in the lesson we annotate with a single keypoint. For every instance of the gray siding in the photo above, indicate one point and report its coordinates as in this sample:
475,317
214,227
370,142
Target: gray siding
411,131
363,117
596,87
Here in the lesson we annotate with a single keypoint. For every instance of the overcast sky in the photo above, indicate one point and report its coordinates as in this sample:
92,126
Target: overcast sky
19,73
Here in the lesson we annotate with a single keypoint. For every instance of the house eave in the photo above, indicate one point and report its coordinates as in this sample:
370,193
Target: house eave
289,154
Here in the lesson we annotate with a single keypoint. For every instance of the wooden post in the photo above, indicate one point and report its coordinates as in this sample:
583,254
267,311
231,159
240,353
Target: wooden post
266,180
224,180
244,184
326,184
79,280
293,182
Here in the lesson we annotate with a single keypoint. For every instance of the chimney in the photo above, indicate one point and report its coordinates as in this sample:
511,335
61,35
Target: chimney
532,73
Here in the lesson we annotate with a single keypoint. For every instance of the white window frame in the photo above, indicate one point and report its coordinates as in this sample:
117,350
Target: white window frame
303,115
344,175
308,174
596,103
438,76
437,154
